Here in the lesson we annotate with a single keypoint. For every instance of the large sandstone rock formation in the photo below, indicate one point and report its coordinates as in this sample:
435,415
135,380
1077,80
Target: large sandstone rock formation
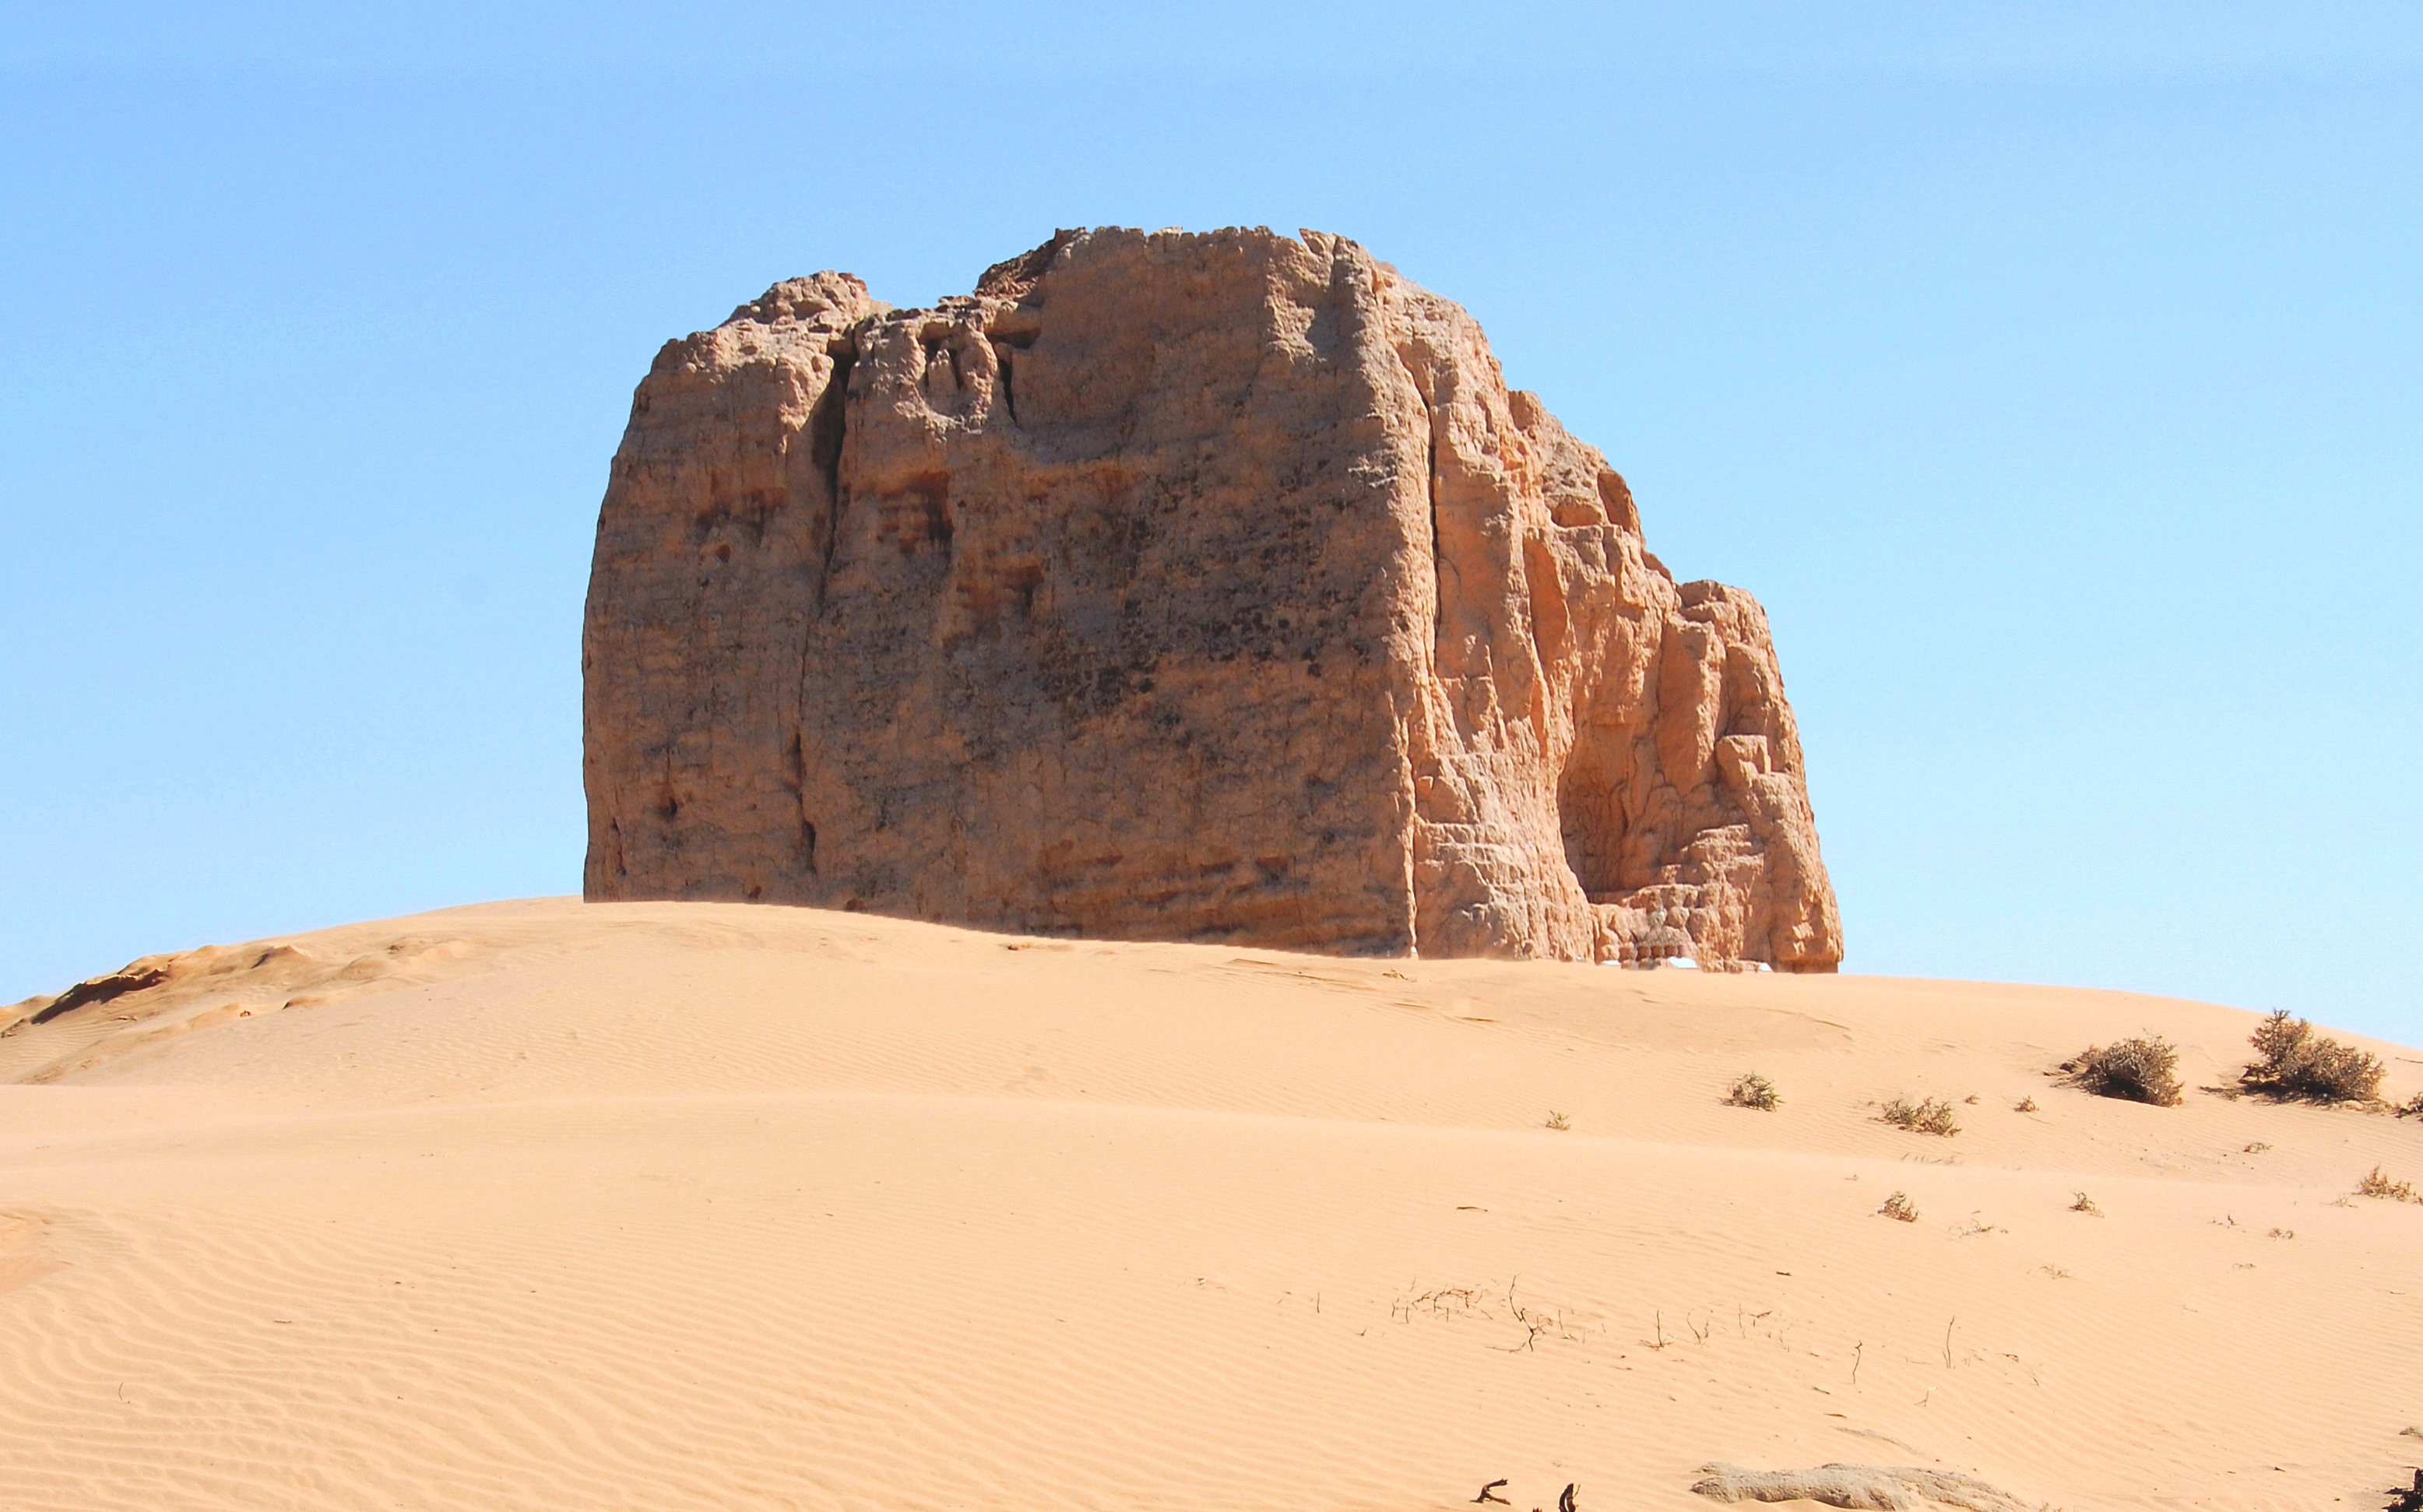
1172,587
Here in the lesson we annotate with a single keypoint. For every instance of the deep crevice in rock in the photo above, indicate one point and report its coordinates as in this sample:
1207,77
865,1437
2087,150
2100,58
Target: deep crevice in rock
1430,484
1002,351
828,428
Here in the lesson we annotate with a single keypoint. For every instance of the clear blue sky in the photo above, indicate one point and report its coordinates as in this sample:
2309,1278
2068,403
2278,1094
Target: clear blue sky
2053,373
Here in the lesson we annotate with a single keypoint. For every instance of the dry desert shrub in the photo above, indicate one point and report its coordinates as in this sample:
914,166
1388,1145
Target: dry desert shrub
2379,1185
2298,1065
2413,1108
1899,1206
2085,1205
2025,1105
1754,1091
1929,1115
2136,1070
1557,1120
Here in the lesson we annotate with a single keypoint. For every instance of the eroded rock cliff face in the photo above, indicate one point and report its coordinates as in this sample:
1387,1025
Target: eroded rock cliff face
1174,587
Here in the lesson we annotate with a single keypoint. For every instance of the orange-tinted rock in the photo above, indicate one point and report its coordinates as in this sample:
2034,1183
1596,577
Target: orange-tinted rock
1172,587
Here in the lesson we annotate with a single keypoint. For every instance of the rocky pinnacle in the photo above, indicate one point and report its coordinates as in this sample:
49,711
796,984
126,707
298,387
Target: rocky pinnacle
1172,587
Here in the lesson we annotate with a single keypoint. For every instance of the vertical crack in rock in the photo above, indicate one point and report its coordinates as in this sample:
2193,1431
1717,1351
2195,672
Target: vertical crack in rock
829,427
1562,754
1002,351
1430,478
829,432
795,774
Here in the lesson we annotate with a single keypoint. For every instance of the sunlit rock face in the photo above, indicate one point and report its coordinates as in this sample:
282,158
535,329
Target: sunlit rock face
1174,587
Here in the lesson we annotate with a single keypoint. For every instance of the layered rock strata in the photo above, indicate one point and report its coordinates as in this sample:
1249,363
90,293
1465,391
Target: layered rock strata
1174,587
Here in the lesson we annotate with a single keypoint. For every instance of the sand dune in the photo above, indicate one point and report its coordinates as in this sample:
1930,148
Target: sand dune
553,1206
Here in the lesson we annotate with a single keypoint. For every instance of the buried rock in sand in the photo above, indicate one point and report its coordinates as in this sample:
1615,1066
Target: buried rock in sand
1888,1488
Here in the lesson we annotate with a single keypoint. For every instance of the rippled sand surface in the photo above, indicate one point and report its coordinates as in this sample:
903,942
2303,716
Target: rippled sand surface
685,1205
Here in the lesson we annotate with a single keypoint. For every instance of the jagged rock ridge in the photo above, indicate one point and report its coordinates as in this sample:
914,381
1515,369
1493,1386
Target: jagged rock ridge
1182,586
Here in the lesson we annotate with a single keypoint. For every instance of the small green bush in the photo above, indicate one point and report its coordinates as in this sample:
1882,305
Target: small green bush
2300,1066
1931,1115
2135,1070
1754,1091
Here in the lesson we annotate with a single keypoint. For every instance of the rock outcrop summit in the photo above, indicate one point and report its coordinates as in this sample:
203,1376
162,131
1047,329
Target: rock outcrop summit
1174,587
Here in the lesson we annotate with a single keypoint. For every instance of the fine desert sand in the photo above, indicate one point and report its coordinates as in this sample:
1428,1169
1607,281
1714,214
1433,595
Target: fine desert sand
655,1207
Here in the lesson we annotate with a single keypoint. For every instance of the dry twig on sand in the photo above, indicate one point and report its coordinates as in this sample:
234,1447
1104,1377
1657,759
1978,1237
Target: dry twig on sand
1533,1322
